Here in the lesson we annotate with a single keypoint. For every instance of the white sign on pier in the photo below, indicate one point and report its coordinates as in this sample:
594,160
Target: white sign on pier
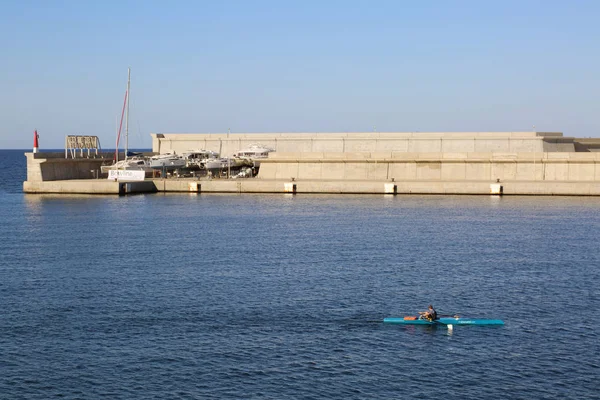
126,175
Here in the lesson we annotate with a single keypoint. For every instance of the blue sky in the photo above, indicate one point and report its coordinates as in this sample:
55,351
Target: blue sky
296,66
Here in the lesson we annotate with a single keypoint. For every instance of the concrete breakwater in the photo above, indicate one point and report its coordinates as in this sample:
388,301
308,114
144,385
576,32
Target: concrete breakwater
447,187
391,163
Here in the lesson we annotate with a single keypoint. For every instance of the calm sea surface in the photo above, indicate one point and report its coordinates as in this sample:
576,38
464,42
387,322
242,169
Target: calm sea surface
273,296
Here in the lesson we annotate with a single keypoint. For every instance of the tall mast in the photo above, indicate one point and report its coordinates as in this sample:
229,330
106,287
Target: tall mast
127,115
117,135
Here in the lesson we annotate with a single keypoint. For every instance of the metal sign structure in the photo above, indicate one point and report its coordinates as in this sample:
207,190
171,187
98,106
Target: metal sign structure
76,143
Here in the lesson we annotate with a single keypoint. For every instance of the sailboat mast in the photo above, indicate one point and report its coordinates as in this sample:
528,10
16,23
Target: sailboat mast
117,135
127,115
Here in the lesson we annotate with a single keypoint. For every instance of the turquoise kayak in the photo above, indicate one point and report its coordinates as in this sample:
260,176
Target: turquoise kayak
442,321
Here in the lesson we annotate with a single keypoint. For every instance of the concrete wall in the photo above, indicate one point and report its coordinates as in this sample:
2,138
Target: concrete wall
89,186
587,144
582,167
547,188
54,166
411,142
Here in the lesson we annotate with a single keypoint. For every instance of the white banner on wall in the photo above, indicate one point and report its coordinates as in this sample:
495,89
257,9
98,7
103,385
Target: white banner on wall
126,175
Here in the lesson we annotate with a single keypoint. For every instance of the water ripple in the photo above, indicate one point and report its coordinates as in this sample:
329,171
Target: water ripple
191,297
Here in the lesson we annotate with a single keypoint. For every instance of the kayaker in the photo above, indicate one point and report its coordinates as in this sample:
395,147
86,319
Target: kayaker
430,314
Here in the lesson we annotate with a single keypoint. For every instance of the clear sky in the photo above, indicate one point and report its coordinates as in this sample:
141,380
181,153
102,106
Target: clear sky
296,66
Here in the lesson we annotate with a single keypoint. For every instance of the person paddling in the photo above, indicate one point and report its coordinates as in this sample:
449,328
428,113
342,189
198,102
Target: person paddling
430,314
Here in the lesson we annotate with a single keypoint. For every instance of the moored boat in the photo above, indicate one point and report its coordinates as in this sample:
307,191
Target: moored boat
253,153
133,161
168,161
229,167
199,158
129,164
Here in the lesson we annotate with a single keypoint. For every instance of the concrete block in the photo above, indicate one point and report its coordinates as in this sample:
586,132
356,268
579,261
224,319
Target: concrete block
458,187
454,156
286,170
480,155
258,186
356,171
457,135
267,171
394,135
425,145
589,157
353,156
430,156
526,145
526,171
458,145
529,157
284,156
420,187
549,134
504,171
558,146
479,171
523,134
597,172
400,171
556,172
311,156
357,145
429,171
491,135
369,187
344,156
222,186
310,170
380,155
492,145
557,156
453,171
294,146
581,172
320,187
328,146
88,186
392,145
405,156
504,156
333,171
377,170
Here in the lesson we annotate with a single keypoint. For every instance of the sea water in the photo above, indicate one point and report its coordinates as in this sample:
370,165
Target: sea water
198,296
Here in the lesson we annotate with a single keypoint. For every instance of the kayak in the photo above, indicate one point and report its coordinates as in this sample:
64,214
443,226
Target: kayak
442,321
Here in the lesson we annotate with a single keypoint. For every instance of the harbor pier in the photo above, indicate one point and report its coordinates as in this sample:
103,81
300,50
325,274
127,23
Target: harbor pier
484,163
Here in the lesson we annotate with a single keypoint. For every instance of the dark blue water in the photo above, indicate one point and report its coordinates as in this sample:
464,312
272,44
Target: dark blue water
273,296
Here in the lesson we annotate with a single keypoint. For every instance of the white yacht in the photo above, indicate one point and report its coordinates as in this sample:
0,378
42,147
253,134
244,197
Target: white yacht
131,164
199,158
169,161
226,162
254,151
